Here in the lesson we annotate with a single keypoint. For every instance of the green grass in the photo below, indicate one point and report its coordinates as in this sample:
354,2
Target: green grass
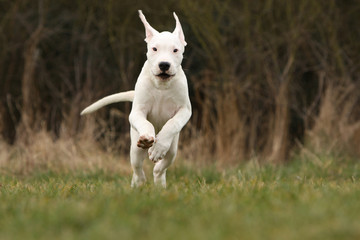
300,200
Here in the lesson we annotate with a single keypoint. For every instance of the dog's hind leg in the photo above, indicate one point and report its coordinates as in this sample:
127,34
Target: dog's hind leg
137,156
161,166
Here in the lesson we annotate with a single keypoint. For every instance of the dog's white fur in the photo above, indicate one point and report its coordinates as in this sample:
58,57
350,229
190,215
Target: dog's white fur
161,105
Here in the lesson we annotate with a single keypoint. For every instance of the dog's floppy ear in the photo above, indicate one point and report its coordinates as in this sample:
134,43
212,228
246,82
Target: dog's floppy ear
149,30
178,30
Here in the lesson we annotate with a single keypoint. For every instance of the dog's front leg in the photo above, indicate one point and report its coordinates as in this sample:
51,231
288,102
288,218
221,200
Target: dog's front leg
142,137
166,135
145,129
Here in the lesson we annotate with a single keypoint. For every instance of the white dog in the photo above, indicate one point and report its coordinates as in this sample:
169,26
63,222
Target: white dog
161,105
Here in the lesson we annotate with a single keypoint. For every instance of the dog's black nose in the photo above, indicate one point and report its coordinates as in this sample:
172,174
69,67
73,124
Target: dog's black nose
164,66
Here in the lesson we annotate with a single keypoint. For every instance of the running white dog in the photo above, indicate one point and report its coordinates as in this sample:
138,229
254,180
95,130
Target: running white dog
161,105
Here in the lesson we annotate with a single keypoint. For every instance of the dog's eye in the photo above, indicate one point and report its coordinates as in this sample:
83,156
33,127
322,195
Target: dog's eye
154,49
175,50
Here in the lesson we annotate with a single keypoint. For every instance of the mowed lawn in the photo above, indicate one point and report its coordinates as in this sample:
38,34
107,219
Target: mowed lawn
299,200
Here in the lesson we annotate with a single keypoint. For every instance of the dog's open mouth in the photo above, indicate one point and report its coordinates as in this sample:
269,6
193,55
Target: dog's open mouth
164,76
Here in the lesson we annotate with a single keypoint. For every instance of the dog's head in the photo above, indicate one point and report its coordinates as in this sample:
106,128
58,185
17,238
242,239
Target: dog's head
165,49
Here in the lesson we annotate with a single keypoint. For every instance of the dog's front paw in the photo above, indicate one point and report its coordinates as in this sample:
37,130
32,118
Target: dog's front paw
145,141
158,151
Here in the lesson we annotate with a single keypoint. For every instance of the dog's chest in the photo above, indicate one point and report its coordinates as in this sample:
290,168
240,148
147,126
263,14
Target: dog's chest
161,110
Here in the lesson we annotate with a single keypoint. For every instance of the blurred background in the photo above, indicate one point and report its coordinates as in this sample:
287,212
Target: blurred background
270,79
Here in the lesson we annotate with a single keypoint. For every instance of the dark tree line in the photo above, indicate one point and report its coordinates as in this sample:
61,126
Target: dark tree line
265,76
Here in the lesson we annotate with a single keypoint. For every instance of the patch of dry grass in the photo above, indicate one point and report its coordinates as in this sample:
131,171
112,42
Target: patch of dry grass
43,153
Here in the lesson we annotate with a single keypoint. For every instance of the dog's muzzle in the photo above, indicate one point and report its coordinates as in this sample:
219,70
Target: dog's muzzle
164,67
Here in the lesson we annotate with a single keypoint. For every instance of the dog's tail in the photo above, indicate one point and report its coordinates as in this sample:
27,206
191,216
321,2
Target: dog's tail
118,97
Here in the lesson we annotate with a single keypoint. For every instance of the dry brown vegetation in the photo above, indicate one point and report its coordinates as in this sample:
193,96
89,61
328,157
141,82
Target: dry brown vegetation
267,78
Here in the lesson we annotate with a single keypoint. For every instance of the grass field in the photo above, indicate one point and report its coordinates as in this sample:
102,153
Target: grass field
300,200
